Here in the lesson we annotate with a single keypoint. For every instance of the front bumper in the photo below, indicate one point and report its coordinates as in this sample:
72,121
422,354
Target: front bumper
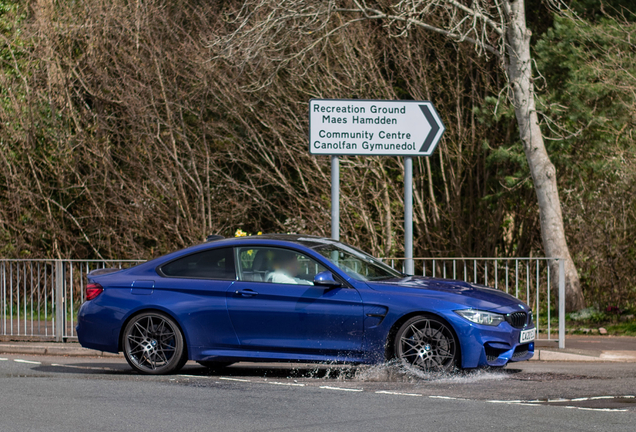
499,356
491,346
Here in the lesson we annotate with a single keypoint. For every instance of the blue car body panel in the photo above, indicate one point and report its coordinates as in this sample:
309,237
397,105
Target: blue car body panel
296,318
233,320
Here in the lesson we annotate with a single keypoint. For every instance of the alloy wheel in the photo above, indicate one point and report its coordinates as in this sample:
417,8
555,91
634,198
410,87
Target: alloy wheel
426,343
153,344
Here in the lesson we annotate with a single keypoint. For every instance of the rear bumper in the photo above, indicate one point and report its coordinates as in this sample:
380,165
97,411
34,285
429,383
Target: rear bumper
94,332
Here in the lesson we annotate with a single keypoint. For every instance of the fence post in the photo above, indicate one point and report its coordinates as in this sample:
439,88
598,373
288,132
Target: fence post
561,303
59,300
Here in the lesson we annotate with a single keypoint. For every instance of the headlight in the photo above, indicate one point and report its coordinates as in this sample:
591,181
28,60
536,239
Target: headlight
481,317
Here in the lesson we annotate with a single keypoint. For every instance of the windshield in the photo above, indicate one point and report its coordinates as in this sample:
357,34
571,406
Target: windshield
355,263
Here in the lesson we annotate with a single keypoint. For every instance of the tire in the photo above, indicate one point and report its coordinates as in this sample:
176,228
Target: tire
153,344
214,365
426,343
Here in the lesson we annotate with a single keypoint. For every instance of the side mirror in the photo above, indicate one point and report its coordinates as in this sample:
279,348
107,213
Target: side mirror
326,279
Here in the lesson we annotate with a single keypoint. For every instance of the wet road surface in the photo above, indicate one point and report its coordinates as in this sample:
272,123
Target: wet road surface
66,393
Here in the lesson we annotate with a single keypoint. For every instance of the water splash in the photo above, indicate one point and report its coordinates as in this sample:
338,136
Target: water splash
395,371
389,372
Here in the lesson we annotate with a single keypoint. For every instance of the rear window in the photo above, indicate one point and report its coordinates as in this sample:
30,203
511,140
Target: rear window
210,264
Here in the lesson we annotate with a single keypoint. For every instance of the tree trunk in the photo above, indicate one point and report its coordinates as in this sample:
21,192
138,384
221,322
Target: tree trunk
519,68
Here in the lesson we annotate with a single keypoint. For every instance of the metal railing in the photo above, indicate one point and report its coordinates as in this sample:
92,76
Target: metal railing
40,298
528,279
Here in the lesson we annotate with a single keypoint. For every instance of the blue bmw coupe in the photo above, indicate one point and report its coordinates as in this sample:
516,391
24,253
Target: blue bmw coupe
296,298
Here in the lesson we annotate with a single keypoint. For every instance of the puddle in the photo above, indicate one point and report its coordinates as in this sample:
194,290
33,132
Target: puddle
10,375
391,372
551,376
398,373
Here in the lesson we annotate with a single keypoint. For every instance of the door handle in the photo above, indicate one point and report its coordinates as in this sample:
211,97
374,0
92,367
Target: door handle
246,293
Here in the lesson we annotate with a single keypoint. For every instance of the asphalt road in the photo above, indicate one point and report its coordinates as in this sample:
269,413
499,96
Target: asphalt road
97,394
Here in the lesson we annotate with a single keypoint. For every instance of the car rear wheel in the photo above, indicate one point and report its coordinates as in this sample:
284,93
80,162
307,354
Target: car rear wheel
426,343
153,344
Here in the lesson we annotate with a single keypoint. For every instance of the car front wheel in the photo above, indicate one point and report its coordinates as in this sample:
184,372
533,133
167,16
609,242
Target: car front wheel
153,344
427,343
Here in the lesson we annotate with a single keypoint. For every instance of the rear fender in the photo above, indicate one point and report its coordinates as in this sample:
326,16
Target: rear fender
145,309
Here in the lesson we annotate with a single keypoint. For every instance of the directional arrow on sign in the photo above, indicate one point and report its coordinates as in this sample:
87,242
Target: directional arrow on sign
432,135
373,127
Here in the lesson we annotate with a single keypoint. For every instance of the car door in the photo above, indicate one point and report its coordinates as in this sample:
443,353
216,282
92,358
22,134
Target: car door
277,311
193,289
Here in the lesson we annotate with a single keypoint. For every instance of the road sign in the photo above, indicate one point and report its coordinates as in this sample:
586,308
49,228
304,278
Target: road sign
373,127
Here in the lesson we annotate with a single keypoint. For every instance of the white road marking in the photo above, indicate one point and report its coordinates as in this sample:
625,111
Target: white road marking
545,402
285,384
233,379
341,389
533,403
3,359
26,361
597,409
397,393
580,399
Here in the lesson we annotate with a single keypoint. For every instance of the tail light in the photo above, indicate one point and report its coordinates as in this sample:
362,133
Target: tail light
93,290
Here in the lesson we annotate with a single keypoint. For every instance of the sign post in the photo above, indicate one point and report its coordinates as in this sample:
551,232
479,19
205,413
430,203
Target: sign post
409,267
335,197
374,128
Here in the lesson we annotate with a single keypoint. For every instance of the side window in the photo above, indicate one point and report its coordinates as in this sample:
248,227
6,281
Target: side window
210,264
276,265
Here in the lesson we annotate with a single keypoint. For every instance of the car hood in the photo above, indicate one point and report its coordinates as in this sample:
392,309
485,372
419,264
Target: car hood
472,295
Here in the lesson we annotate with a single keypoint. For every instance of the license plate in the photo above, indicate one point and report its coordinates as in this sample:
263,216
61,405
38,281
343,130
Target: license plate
527,336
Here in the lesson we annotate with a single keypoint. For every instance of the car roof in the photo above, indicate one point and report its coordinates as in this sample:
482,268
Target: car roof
283,237
306,241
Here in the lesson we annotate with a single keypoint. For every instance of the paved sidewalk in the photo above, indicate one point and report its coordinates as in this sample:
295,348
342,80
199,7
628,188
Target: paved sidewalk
589,348
578,348
71,349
